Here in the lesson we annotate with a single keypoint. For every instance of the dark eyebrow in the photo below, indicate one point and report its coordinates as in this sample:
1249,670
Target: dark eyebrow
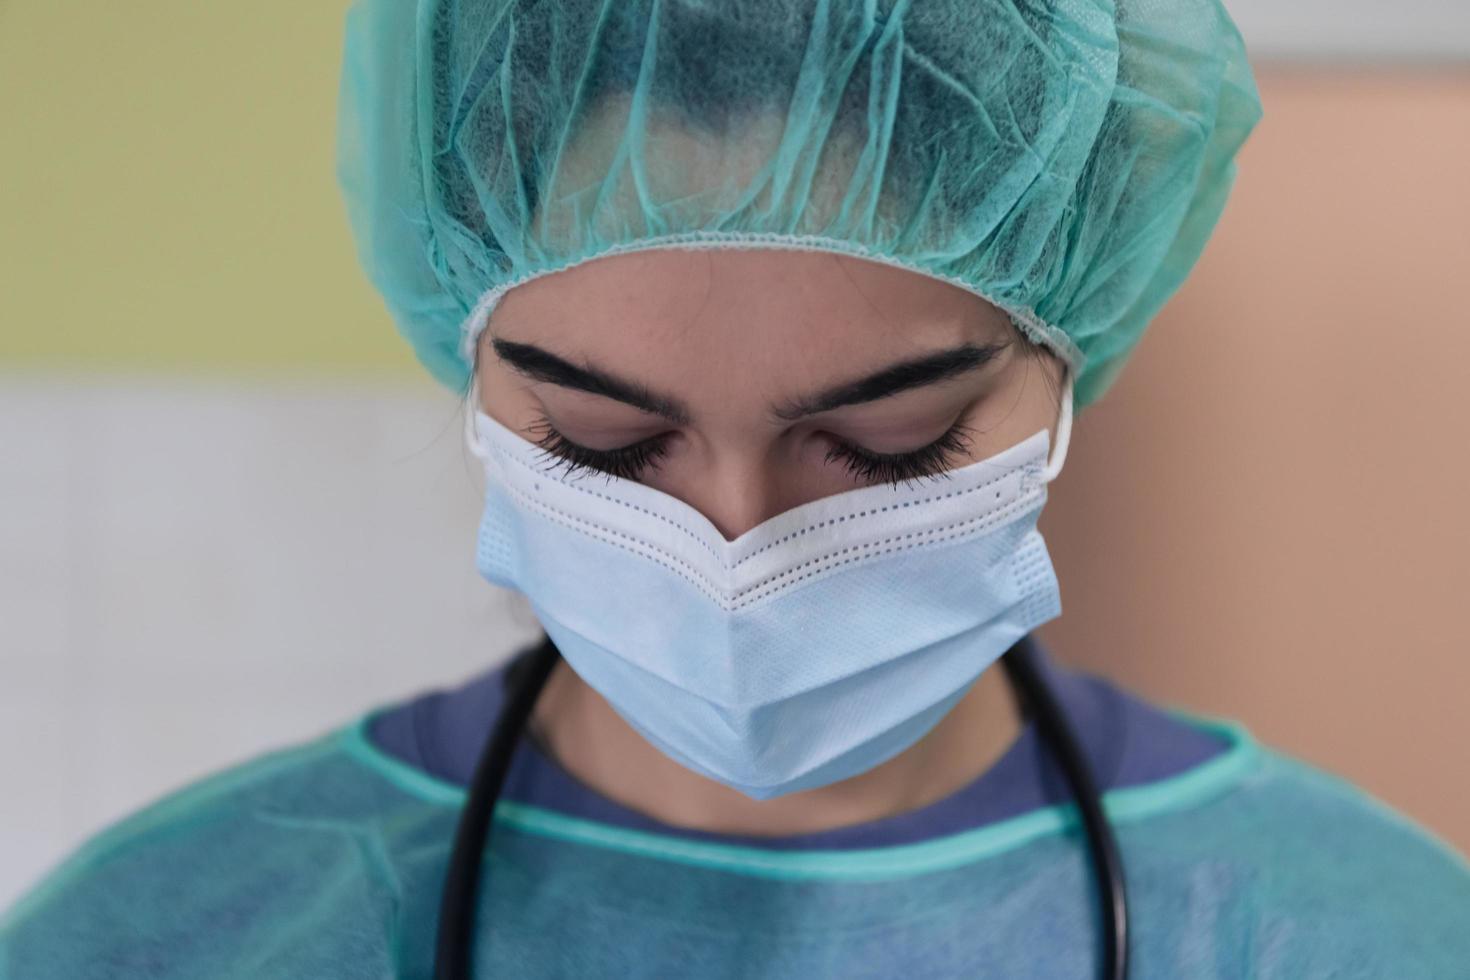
542,365
903,376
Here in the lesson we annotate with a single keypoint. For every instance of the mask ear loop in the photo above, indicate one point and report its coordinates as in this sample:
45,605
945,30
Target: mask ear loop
1064,435
471,431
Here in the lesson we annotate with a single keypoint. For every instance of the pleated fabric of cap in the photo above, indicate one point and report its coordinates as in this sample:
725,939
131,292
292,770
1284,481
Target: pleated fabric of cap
1065,160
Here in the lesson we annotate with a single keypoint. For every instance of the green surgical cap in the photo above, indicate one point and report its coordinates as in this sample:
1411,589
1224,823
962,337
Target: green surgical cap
1064,160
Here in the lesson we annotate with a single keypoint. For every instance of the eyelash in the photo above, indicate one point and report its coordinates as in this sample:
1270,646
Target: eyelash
630,462
895,468
626,462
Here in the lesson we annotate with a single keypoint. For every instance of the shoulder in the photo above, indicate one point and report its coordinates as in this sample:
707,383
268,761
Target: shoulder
1355,839
1318,828
1311,874
213,876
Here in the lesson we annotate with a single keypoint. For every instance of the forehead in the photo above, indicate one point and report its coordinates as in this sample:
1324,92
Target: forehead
778,312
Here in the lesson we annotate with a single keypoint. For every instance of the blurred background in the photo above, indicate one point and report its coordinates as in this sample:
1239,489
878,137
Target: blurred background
234,513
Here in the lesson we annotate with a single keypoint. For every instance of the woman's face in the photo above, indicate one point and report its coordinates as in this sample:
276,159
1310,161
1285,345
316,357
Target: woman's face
748,381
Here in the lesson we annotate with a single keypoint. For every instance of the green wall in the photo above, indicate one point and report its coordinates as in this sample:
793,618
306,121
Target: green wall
167,192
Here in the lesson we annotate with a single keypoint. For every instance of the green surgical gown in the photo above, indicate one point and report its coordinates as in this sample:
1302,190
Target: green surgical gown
326,860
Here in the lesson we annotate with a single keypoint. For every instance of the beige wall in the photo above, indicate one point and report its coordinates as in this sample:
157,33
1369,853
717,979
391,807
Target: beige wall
1269,515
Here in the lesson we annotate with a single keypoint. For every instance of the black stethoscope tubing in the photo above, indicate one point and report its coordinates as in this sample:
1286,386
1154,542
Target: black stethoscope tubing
455,940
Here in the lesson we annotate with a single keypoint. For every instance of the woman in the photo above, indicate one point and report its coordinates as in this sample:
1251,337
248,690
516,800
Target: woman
771,317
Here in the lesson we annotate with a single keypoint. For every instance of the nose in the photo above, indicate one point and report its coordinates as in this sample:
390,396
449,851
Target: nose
735,495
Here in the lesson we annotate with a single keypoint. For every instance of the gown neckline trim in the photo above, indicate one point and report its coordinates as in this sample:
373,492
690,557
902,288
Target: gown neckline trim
1131,804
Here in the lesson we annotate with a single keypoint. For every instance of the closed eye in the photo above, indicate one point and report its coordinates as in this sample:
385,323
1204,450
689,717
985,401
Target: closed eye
628,462
932,460
633,461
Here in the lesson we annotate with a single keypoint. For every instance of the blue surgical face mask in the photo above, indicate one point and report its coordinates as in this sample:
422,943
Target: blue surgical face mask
815,646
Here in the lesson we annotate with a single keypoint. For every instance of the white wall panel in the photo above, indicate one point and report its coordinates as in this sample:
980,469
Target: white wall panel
192,572
1355,30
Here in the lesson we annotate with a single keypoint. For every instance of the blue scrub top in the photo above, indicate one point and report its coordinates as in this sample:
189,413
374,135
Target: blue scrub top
327,859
